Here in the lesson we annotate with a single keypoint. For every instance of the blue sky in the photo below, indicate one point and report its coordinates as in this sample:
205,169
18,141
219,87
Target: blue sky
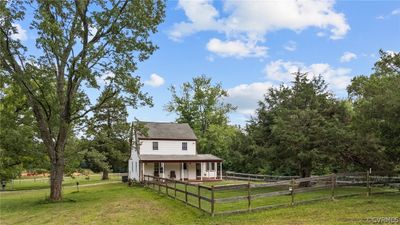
251,46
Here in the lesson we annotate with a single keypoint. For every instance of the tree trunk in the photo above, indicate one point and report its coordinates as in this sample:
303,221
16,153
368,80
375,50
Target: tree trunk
57,174
305,171
105,175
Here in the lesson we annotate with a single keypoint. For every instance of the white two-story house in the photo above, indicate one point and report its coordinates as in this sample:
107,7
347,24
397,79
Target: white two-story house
169,151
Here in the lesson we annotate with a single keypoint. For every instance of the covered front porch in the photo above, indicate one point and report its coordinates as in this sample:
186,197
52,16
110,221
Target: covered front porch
182,167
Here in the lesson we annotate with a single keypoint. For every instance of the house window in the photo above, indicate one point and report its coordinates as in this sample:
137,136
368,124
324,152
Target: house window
212,166
155,145
184,146
208,166
185,166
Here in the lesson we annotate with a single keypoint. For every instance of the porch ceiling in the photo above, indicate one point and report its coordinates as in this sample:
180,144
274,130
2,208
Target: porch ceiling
180,158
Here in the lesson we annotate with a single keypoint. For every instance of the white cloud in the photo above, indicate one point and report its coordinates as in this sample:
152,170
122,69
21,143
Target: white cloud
210,58
155,80
201,15
246,96
282,71
236,48
348,56
20,33
290,46
381,17
396,12
105,78
249,23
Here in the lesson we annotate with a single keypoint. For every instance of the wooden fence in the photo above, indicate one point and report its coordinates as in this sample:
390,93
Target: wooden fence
230,175
246,197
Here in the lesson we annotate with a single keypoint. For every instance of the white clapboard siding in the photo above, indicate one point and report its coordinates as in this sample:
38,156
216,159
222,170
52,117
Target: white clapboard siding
167,147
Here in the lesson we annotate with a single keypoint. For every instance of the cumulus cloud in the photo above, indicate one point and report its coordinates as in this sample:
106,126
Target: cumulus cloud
20,33
396,12
282,71
348,56
155,80
290,46
249,23
235,48
201,16
246,96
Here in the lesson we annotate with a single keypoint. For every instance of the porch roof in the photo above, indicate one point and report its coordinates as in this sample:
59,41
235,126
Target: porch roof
180,158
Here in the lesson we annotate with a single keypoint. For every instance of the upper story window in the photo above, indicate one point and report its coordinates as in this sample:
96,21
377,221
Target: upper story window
184,146
155,145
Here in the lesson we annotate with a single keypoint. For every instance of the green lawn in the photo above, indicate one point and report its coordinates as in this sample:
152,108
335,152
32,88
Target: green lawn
40,183
119,204
259,202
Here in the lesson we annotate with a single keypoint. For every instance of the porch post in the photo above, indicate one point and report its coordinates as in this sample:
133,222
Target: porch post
182,171
215,171
201,171
163,171
220,168
143,171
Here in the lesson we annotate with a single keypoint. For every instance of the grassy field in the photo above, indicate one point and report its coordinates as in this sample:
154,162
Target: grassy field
40,183
119,204
259,202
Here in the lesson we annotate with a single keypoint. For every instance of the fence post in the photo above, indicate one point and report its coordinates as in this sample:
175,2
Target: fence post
248,197
333,183
166,186
368,184
175,190
198,193
186,199
212,200
152,179
292,191
159,185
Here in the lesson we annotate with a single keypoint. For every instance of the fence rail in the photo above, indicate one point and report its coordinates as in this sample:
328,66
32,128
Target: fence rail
226,199
256,177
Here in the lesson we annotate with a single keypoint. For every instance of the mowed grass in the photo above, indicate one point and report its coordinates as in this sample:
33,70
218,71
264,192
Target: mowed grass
119,204
282,200
41,183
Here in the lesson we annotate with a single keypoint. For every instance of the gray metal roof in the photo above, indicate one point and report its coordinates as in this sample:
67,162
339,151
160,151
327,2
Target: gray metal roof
180,158
168,131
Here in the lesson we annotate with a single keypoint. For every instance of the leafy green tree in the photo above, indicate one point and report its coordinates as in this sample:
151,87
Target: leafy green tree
20,148
200,105
77,42
297,127
218,140
109,130
376,101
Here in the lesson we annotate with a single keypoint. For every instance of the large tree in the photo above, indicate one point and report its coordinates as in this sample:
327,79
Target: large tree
298,127
77,43
376,100
200,104
20,147
108,131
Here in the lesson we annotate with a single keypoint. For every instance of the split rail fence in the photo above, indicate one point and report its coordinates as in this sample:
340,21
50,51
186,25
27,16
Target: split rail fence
250,196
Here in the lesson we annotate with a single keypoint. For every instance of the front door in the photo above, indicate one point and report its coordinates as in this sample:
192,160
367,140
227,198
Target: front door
198,171
185,171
